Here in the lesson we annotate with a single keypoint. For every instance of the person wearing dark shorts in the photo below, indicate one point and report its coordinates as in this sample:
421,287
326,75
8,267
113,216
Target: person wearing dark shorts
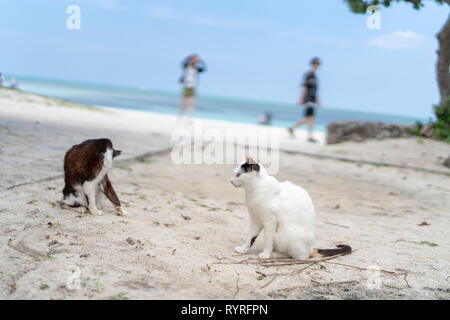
309,111
310,99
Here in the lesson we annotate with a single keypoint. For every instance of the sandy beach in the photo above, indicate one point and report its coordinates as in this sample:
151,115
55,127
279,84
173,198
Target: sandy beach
184,220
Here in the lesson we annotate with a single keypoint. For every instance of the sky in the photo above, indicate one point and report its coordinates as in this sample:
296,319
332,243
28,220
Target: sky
257,50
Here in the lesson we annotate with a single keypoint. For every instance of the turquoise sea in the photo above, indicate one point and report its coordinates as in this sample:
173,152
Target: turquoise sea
208,107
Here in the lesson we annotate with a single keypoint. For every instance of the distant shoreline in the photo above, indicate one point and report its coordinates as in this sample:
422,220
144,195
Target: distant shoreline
92,93
37,107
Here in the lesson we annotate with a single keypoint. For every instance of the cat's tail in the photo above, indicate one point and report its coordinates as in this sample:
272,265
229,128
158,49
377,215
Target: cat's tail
341,249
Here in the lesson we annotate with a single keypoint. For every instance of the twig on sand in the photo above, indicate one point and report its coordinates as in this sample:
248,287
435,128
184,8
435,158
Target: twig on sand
339,282
404,278
303,269
281,261
316,283
294,262
390,286
361,268
335,224
291,273
261,273
237,287
268,282
319,284
392,273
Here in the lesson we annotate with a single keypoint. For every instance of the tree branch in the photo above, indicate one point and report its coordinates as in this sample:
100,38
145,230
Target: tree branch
360,6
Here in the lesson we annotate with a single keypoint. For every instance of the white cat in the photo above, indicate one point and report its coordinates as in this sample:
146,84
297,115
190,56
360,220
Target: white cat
285,212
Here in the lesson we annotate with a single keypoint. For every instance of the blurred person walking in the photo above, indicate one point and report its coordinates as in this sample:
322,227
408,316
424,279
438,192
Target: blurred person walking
192,66
309,98
13,84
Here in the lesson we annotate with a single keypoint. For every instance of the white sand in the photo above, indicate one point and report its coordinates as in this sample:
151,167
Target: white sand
184,220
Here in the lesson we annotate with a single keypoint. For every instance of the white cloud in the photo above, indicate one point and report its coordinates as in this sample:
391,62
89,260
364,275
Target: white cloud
207,21
397,40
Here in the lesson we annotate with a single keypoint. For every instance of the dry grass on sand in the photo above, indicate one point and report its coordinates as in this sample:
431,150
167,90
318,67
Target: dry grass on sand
184,222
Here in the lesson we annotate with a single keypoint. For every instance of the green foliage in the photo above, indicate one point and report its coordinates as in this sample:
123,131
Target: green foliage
121,296
44,287
431,244
442,124
360,6
418,126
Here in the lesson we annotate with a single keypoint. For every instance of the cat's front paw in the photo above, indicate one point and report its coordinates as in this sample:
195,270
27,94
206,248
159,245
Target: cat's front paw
121,212
240,250
264,255
81,210
96,212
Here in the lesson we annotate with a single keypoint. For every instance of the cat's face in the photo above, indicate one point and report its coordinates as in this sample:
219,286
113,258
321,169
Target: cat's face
244,172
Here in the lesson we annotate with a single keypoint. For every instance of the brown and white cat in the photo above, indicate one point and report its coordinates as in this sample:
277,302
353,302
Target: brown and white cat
86,167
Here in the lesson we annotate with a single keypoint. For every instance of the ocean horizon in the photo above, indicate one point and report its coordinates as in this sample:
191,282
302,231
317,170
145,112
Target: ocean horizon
208,107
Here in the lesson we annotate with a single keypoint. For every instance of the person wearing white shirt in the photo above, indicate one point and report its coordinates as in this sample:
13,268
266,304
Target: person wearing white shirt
192,65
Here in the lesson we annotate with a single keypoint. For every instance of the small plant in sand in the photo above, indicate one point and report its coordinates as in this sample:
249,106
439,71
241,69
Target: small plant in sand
431,244
442,124
121,296
143,160
12,288
99,272
440,129
97,287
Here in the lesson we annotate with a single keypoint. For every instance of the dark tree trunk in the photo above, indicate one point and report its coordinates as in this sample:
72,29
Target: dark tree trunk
443,64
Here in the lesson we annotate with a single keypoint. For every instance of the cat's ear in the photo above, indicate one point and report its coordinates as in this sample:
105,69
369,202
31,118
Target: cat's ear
251,161
255,167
